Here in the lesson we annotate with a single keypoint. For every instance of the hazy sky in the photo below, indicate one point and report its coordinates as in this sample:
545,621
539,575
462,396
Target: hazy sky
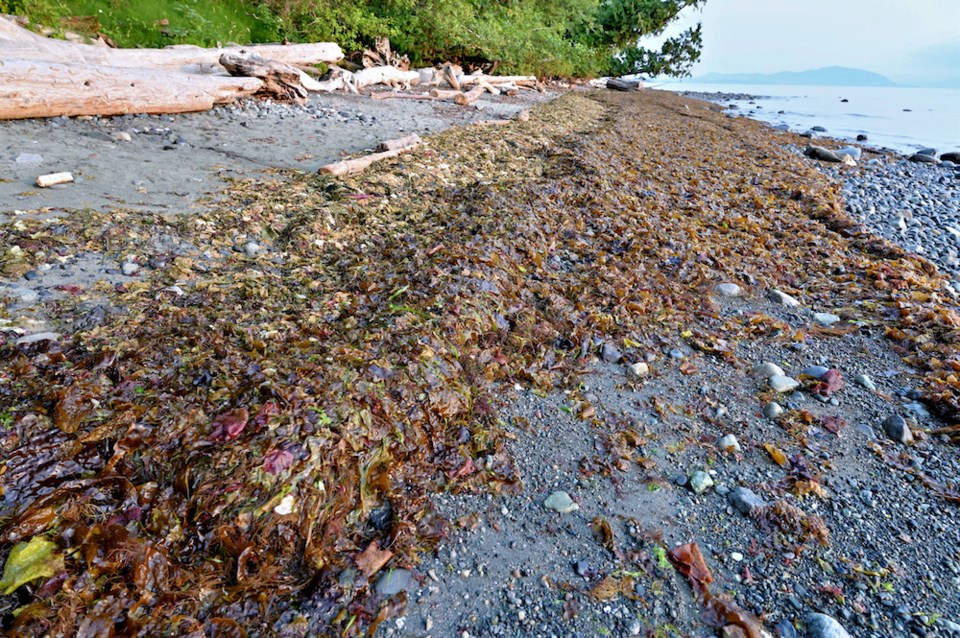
911,41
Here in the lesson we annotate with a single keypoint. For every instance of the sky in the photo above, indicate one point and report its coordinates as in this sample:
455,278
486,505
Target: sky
910,41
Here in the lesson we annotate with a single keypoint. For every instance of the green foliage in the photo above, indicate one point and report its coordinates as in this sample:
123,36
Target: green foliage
545,37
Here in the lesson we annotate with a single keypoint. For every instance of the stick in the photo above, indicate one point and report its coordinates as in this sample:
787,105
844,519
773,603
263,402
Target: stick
54,178
358,165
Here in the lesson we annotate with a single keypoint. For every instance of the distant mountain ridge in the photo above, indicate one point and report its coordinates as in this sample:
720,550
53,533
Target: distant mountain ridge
827,76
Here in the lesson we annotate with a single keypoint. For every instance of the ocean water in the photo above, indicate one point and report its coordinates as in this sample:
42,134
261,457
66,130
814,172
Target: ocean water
899,118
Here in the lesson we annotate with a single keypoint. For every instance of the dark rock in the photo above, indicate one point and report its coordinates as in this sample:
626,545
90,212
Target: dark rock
610,353
823,154
818,129
30,275
861,138
928,151
923,159
953,156
744,500
897,429
844,100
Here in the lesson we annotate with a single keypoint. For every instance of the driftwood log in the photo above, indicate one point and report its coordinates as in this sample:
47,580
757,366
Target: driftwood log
19,43
29,88
397,95
280,81
619,84
471,96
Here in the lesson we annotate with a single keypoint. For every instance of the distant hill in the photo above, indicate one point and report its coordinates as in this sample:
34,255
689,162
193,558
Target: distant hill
827,76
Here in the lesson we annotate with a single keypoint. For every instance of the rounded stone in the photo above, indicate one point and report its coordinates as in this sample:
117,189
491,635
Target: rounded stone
561,502
728,290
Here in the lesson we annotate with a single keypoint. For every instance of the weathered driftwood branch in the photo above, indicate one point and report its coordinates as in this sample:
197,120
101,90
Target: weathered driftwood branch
358,165
280,81
30,88
450,75
19,43
470,96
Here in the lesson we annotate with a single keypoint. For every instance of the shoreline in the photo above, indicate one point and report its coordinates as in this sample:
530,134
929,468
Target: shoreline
530,254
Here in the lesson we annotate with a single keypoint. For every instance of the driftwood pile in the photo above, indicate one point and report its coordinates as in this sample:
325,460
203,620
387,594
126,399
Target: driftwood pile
43,77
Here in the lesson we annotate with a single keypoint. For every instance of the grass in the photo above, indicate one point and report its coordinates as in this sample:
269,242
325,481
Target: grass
157,23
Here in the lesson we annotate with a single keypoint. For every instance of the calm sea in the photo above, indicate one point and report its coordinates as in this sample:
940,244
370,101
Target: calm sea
900,118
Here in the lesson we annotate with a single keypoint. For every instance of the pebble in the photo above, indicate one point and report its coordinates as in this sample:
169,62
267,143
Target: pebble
781,383
700,482
129,268
728,290
920,158
772,410
729,444
896,428
865,381
251,249
783,299
823,626
394,582
736,556
637,370
561,502
31,275
767,370
122,136
825,318
744,500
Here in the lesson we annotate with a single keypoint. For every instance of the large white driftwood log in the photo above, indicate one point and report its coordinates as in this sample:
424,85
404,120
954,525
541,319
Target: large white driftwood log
29,88
19,43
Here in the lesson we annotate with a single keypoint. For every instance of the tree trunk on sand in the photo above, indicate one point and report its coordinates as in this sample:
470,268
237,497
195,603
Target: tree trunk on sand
280,81
29,88
619,84
470,96
349,167
17,42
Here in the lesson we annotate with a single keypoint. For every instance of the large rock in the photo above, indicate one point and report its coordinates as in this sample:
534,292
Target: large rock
823,626
953,156
783,298
561,502
395,581
767,369
728,290
920,158
782,383
897,429
822,154
852,152
745,501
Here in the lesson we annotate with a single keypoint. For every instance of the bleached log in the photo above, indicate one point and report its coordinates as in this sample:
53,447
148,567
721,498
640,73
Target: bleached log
495,80
30,88
489,88
19,43
408,141
397,95
445,94
469,97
